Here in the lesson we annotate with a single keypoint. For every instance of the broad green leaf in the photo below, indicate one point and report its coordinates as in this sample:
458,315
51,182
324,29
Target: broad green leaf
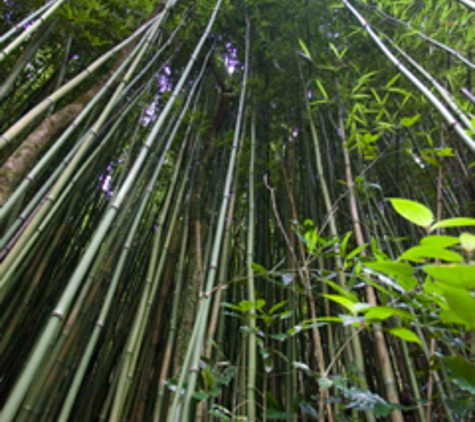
399,271
454,222
248,305
450,317
444,152
419,253
440,241
200,395
405,334
311,237
413,211
467,240
208,377
352,320
361,306
457,275
343,301
384,312
461,302
325,383
462,371
351,296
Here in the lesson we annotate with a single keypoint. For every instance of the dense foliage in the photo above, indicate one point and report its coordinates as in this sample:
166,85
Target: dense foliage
237,210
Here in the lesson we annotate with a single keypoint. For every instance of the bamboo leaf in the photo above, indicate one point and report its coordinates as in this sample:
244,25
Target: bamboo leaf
405,334
306,52
409,121
419,253
400,271
454,222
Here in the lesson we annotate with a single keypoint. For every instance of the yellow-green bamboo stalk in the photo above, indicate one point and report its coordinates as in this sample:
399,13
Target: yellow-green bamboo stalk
381,347
252,358
13,132
70,168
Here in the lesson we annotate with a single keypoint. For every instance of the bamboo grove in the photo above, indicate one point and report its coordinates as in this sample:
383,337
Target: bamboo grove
195,217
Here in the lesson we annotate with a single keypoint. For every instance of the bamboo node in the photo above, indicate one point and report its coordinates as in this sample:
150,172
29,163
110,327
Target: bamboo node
59,314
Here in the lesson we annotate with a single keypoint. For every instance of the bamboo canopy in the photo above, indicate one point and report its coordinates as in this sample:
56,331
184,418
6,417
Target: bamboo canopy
237,211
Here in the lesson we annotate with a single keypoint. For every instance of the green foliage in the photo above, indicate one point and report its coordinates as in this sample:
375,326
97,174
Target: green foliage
103,22
413,211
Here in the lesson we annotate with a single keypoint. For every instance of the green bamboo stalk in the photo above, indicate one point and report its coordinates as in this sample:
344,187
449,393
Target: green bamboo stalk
29,51
69,170
196,342
154,271
101,320
357,347
173,327
60,142
13,132
252,346
8,280
64,304
383,353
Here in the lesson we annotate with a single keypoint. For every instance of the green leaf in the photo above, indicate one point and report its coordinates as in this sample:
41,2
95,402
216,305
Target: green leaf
440,241
405,334
413,211
276,415
344,243
419,253
356,251
453,222
467,240
325,383
259,269
305,50
352,320
200,395
277,306
461,302
351,296
322,89
248,305
400,271
462,371
384,312
393,80
450,317
456,275
343,301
